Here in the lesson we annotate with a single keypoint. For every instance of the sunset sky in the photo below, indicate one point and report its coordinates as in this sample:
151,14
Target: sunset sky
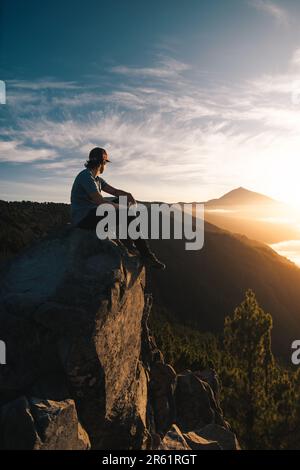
190,98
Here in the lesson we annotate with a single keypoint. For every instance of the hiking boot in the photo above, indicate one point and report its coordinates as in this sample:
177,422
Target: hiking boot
151,261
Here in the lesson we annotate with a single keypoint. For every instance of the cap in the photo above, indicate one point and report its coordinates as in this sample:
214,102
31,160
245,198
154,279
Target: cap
96,155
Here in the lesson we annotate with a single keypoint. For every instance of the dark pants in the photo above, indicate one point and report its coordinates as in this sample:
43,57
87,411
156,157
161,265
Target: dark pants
91,220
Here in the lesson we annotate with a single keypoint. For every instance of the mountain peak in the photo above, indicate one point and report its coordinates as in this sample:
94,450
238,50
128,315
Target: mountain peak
240,196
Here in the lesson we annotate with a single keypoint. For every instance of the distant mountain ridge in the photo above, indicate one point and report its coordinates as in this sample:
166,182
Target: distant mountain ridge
241,196
238,197
255,215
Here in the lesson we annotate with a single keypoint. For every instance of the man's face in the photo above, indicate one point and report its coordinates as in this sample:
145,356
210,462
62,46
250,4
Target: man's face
102,166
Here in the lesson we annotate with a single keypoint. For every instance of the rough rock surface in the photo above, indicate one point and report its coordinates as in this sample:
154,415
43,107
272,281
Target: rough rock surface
176,440
83,370
42,425
195,403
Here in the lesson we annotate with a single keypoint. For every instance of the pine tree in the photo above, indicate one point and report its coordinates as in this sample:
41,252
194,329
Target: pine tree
250,365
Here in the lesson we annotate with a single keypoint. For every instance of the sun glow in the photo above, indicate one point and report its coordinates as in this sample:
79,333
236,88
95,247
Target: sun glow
281,181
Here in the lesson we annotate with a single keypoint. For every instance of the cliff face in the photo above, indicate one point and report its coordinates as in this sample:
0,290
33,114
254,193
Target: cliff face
82,368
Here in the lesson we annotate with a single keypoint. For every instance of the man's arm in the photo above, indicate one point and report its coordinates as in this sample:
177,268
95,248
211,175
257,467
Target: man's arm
98,199
119,192
91,188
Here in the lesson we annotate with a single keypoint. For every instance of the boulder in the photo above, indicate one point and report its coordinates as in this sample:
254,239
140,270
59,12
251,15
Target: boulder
225,438
195,403
41,425
174,440
72,306
161,394
197,442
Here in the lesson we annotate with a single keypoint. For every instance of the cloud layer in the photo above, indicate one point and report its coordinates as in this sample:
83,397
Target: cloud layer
170,135
277,12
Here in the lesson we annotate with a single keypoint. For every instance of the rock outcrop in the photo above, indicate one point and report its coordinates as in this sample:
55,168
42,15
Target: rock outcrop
83,370
42,425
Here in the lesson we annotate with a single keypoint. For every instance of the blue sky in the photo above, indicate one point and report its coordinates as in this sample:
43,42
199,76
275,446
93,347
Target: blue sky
190,98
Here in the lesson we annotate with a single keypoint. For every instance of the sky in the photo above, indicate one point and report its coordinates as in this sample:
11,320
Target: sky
190,98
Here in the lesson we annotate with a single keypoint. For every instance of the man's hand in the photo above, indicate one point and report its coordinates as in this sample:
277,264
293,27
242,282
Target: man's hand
131,200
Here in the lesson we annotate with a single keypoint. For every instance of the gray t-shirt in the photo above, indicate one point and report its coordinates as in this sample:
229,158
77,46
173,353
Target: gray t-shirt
84,184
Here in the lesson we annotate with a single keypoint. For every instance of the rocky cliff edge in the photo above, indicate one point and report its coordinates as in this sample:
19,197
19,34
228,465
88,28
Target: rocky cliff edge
82,369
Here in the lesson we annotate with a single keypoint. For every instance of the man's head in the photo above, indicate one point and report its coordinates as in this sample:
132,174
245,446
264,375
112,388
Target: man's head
98,158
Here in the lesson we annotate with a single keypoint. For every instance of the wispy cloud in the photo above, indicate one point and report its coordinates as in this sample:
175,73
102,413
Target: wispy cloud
180,140
15,151
45,83
277,12
167,68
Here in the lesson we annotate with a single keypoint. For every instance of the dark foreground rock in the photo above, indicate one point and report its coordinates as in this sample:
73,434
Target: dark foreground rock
83,370
42,425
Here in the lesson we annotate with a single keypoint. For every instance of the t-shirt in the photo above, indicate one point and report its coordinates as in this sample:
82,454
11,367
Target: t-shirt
84,184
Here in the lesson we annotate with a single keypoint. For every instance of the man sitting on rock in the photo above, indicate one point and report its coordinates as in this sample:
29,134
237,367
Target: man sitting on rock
86,197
